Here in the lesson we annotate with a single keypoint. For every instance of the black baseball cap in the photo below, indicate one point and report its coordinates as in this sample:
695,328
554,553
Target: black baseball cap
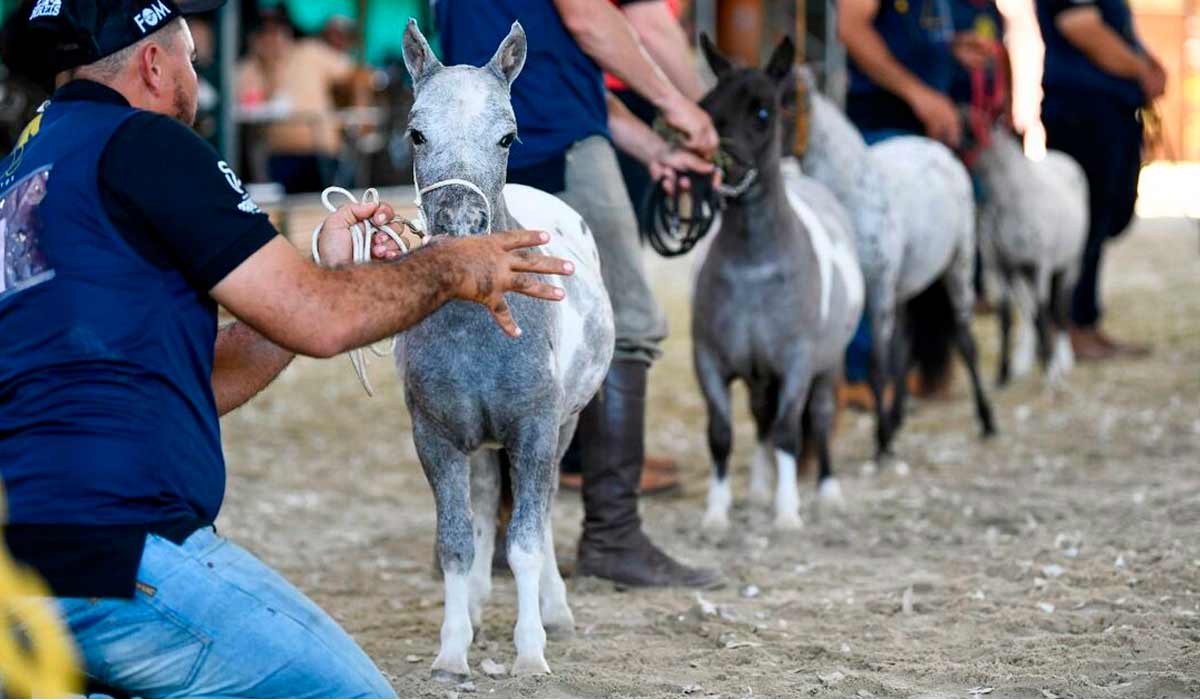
41,38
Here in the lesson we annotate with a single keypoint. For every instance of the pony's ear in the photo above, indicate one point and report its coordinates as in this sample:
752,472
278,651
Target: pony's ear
510,57
418,57
779,68
719,64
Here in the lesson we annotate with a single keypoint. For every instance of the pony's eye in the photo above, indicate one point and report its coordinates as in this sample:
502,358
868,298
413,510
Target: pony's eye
764,114
417,137
508,140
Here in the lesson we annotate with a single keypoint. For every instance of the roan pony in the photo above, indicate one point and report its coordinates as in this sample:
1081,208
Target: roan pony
777,297
471,390
914,224
1032,227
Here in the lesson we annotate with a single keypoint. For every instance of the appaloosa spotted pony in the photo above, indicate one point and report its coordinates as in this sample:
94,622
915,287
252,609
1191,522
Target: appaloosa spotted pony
473,391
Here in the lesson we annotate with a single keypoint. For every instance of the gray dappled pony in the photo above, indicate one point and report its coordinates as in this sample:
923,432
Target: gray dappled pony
777,297
472,390
1032,227
914,225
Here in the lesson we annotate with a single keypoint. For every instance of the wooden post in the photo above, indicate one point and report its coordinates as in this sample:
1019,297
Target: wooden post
741,29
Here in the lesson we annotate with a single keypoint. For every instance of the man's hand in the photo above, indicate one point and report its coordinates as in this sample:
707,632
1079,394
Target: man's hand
672,161
1153,78
488,267
939,115
687,117
972,51
335,244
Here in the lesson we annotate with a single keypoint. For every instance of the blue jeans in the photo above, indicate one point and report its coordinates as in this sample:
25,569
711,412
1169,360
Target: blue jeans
210,620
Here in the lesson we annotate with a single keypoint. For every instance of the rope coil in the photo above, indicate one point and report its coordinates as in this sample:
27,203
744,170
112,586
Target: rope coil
362,233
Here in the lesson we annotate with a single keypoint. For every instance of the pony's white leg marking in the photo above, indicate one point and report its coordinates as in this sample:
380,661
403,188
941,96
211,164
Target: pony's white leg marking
556,613
529,635
829,493
485,496
456,630
1026,346
1062,361
760,475
716,517
787,493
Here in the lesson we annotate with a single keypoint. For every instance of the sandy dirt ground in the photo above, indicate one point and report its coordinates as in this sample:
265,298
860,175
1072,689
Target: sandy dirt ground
1060,559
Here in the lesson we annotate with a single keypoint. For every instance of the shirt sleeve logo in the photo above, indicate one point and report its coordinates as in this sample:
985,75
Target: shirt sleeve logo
46,8
247,204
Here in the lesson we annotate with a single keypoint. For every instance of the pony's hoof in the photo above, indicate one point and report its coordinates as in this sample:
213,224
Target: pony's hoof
450,677
559,622
829,495
530,666
788,522
715,522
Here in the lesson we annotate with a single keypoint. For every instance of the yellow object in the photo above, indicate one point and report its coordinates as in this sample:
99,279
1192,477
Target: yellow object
902,6
37,658
985,27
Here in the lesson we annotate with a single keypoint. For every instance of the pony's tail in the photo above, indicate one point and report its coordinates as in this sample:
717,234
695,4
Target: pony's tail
932,326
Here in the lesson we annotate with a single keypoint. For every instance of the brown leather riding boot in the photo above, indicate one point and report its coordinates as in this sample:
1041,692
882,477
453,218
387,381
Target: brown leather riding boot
613,546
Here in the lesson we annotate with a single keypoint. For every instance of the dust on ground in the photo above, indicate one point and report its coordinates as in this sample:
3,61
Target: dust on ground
1060,559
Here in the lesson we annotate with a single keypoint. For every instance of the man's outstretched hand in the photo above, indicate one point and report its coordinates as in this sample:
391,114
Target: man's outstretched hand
485,268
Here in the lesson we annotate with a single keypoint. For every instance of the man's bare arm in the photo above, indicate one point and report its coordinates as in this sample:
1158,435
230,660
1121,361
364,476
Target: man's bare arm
607,37
245,363
666,42
866,46
323,312
1085,29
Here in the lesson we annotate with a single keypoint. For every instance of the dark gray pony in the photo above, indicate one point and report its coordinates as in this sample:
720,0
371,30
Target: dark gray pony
777,296
473,391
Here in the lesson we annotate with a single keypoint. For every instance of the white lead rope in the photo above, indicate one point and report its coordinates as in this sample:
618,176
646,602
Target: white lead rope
362,234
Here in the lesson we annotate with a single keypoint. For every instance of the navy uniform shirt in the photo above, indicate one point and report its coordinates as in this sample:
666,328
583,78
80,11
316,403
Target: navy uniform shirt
983,18
918,33
559,96
1072,84
115,224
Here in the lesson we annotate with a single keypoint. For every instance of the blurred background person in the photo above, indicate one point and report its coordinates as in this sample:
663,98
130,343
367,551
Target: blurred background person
301,76
1098,76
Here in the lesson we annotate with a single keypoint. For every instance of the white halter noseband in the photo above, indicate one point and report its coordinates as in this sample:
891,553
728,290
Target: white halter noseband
362,233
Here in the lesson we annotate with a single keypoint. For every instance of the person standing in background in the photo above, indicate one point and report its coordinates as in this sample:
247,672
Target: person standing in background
303,73
1097,78
656,23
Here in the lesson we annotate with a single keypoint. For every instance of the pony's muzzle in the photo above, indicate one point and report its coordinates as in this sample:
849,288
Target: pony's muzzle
456,213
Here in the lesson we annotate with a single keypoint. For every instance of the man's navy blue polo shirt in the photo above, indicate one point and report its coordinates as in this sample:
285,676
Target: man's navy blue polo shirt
918,33
1073,85
559,96
114,225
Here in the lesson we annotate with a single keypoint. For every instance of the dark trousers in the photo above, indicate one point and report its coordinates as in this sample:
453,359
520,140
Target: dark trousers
1106,140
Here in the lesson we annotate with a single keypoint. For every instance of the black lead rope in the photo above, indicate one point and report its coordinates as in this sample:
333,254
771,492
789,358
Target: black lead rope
674,224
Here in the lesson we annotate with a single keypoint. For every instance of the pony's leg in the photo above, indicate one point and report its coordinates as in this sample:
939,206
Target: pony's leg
485,502
557,618
883,328
764,397
714,382
966,347
533,451
448,473
1026,303
1004,313
1060,306
1042,286
822,407
901,360
962,296
786,436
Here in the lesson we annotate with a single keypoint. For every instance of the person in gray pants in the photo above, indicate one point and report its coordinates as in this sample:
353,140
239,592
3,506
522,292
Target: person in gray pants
568,125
